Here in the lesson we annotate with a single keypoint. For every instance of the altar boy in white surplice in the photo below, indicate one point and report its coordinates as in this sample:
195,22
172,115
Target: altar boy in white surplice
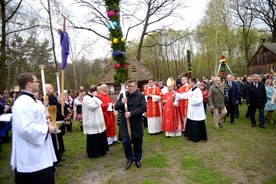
32,148
195,128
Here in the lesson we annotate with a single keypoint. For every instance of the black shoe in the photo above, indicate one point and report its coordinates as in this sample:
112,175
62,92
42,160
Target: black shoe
138,164
128,164
63,159
58,164
262,127
253,125
232,122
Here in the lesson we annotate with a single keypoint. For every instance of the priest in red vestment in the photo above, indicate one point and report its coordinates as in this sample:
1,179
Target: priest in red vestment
183,104
153,95
172,123
109,116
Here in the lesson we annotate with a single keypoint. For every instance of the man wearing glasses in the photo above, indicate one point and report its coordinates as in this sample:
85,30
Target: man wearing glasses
32,149
136,107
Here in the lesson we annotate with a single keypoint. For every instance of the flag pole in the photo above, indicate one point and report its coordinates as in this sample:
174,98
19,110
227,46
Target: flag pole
42,67
62,71
126,110
58,86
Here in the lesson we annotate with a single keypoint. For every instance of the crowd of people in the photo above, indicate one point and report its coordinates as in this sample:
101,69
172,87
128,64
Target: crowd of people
168,107
177,108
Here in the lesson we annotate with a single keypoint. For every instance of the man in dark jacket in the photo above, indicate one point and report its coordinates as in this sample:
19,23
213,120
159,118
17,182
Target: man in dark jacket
243,94
216,103
256,99
59,117
239,85
232,91
136,104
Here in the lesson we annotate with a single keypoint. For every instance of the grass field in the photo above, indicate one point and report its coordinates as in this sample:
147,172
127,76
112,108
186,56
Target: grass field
237,154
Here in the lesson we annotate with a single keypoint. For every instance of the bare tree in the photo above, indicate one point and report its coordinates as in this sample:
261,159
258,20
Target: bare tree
96,21
141,14
165,60
77,52
156,11
243,18
48,9
265,10
10,24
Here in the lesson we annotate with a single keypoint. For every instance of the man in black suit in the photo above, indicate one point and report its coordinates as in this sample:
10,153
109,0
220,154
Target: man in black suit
60,104
243,93
239,84
232,91
256,99
136,107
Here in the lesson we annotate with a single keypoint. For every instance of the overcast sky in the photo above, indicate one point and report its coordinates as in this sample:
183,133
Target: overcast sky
192,14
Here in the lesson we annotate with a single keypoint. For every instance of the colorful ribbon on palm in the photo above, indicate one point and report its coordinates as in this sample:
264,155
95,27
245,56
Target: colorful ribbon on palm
117,41
223,68
189,63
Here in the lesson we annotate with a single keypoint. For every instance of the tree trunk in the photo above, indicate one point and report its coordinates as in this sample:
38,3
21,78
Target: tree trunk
75,74
139,51
52,35
274,33
3,48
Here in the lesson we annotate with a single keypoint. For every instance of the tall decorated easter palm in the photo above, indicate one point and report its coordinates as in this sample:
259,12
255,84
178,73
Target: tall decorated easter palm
117,41
118,46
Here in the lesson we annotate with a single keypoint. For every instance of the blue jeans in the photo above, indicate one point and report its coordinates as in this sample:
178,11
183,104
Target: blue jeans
261,116
137,149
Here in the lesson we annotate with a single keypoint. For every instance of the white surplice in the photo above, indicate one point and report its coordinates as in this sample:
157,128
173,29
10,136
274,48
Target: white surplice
154,123
32,147
195,104
92,115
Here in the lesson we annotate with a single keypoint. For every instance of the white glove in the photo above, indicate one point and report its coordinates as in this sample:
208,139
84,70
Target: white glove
110,107
175,103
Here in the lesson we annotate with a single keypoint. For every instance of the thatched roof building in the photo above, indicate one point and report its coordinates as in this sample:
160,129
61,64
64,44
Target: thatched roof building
135,71
264,59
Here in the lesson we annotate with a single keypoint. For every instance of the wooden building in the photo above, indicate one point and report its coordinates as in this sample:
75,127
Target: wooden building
264,59
135,71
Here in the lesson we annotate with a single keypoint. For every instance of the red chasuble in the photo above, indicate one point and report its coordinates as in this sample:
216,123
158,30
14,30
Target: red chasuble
171,114
183,104
109,117
152,107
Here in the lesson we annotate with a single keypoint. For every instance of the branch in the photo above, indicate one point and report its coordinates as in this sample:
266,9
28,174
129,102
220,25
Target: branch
93,7
23,29
13,13
44,6
89,29
7,2
131,27
160,44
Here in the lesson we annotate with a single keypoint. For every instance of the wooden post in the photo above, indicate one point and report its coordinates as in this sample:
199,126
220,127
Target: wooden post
126,110
62,71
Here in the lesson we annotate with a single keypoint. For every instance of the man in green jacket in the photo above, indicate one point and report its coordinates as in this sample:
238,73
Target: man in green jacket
217,103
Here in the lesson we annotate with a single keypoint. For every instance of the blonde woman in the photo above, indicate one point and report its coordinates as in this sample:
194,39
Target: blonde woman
268,106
